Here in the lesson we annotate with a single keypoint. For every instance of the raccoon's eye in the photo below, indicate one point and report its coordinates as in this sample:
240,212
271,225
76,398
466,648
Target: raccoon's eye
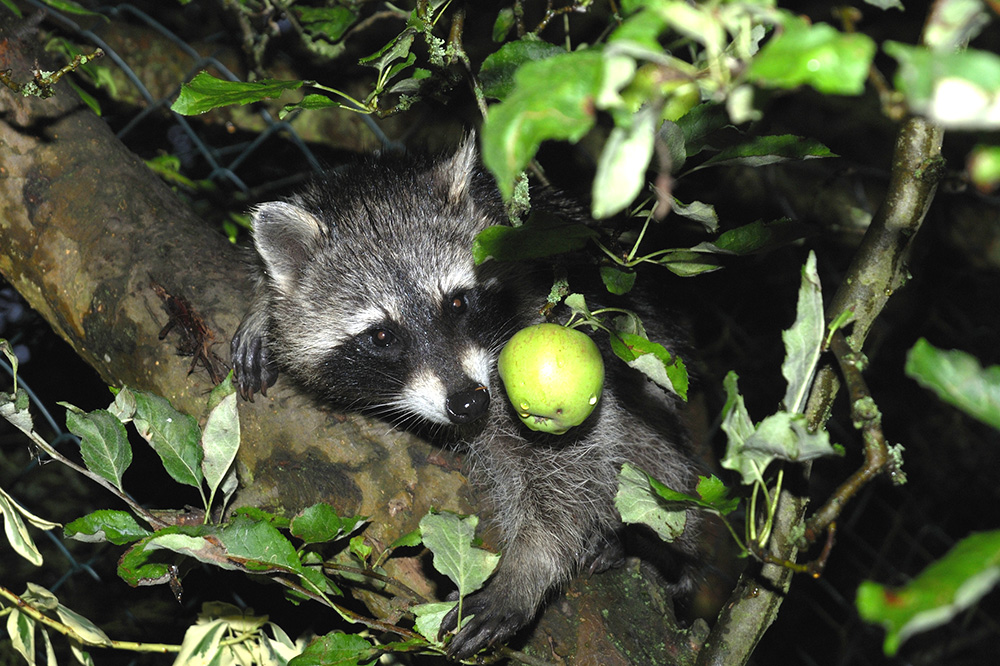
382,337
458,303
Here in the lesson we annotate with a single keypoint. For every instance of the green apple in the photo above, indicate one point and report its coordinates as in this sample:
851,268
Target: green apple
553,376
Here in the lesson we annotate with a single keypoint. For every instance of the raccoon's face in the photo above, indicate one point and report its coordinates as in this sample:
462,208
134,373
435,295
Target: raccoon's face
374,297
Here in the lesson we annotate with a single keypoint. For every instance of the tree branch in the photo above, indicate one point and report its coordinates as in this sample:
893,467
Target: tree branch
878,269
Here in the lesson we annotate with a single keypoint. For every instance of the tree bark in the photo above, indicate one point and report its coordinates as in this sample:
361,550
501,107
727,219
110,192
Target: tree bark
85,230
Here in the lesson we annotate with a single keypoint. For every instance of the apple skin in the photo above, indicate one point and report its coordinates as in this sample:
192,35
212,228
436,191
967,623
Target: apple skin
553,376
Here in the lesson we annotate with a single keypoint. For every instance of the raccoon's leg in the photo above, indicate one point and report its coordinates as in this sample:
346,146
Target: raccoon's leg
531,566
253,367
555,519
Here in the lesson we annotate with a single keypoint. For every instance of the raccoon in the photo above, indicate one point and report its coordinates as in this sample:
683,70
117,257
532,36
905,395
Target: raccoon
368,297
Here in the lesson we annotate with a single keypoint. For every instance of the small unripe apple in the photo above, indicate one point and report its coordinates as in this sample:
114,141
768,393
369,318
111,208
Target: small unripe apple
553,376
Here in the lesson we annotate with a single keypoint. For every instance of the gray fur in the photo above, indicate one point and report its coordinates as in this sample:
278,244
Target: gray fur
384,247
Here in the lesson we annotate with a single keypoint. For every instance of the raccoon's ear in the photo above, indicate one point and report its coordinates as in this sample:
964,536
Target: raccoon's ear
285,237
456,172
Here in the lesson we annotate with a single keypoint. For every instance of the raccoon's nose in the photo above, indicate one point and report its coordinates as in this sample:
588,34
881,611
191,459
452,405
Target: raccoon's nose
468,404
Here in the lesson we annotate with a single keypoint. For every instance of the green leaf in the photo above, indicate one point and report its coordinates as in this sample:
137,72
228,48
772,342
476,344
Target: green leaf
320,523
541,236
258,545
763,150
637,503
653,360
736,422
311,102
616,280
497,72
9,4
816,55
70,7
958,379
337,649
701,213
220,441
429,617
804,340
621,168
959,90
552,99
450,537
780,436
328,22
103,442
943,590
260,515
205,92
118,527
173,435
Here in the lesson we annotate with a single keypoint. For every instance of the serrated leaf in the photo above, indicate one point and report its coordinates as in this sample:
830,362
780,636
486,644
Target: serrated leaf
123,406
736,422
328,22
337,649
136,566
497,72
118,527
616,280
205,92
637,503
310,102
621,168
408,539
814,54
780,436
429,617
763,150
220,442
958,379
552,99
653,360
320,523
103,442
804,339
173,435
539,237
944,589
450,539
698,211
259,544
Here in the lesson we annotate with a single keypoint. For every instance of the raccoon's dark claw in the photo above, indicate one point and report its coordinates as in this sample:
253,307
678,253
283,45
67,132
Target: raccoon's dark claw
493,622
253,368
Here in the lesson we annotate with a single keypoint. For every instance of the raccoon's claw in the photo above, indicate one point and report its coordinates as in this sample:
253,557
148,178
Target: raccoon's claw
492,622
252,366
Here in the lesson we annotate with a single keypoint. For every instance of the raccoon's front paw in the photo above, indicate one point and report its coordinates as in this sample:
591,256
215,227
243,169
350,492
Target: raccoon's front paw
253,368
494,621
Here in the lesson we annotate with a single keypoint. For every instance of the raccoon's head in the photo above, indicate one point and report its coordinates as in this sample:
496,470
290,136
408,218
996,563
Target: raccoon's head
374,299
